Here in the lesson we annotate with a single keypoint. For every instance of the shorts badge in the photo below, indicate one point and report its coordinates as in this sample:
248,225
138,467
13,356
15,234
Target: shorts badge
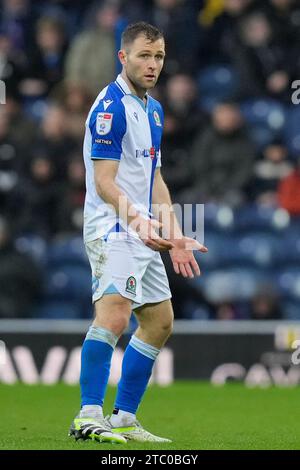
131,285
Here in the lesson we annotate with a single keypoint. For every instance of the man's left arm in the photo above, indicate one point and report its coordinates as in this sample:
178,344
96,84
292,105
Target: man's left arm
182,254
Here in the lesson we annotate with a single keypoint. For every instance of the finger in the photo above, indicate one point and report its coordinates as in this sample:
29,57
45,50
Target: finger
192,244
176,268
195,267
182,270
188,270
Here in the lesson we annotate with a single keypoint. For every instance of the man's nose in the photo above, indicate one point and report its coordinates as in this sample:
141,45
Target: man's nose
152,63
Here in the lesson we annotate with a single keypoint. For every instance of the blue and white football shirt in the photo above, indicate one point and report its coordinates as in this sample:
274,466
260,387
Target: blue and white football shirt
120,127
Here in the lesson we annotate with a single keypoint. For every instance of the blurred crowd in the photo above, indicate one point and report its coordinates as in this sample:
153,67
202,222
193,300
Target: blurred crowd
231,142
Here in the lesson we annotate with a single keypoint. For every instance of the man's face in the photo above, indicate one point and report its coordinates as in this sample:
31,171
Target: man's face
143,61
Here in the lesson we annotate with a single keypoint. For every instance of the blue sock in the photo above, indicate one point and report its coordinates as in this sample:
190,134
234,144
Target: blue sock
137,366
96,356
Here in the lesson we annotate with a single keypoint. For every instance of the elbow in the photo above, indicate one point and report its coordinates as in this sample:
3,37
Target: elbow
102,187
100,190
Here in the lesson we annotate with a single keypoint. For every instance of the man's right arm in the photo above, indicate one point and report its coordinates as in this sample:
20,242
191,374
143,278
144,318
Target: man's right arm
106,187
105,173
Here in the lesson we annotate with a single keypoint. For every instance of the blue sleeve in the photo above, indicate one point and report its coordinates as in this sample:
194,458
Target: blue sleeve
107,128
161,114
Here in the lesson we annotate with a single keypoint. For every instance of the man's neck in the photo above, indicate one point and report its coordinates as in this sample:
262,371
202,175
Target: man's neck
139,92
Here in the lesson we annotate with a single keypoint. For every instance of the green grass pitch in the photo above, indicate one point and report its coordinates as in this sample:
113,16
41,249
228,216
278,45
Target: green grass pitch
195,415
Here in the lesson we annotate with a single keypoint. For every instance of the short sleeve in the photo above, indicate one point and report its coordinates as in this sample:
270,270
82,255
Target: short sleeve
107,128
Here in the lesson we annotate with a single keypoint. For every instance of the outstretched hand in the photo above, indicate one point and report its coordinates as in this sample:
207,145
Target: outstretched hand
182,256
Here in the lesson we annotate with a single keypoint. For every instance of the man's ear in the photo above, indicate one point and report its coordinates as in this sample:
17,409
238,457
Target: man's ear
122,56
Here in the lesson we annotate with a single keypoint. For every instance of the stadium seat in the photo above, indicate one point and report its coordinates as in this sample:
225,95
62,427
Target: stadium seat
194,311
291,310
255,217
260,248
216,242
266,119
32,245
287,280
218,217
291,130
69,251
231,284
68,283
34,107
290,243
217,83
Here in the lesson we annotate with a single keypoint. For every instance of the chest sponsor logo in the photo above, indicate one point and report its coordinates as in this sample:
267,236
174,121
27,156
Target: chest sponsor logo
103,123
152,153
103,141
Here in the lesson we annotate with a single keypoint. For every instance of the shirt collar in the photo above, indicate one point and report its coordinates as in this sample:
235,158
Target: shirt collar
125,88
123,85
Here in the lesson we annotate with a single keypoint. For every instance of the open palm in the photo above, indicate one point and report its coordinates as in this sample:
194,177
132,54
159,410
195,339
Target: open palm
183,258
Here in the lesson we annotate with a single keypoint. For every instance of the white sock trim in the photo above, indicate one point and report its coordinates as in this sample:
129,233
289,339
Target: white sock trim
98,333
144,348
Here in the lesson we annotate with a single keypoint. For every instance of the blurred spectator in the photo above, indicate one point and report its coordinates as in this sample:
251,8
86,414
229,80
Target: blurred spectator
135,10
268,172
222,158
219,29
20,279
76,101
289,192
40,197
225,311
178,20
261,58
285,16
55,140
46,59
182,121
17,16
69,216
22,129
91,59
12,63
265,305
9,167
